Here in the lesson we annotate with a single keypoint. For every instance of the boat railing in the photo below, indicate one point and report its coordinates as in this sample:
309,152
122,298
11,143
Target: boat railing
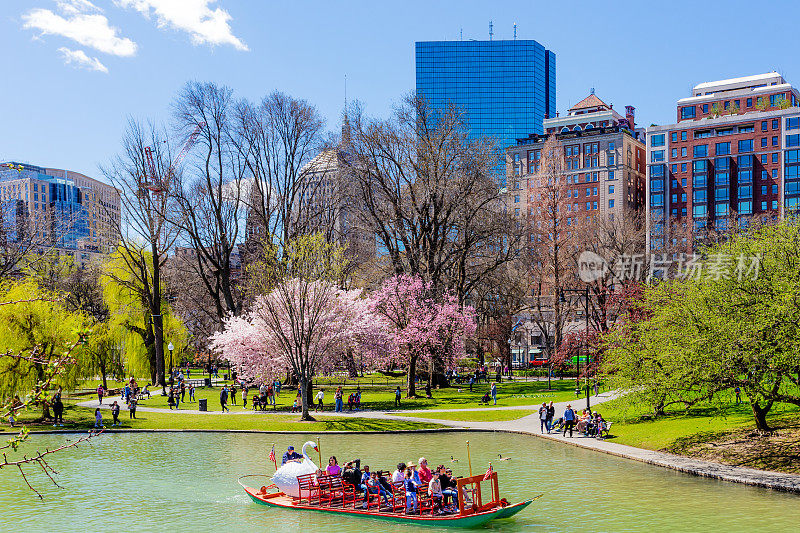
478,493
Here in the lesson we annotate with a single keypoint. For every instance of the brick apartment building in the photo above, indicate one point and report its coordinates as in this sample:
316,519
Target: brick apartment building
604,161
734,152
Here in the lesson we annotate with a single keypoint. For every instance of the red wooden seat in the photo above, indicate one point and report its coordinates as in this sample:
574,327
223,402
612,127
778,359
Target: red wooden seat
308,488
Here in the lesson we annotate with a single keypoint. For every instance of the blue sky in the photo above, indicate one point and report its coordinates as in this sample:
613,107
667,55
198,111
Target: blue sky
74,71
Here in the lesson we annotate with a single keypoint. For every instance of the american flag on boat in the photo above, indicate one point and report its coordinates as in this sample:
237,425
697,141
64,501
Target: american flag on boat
272,456
488,473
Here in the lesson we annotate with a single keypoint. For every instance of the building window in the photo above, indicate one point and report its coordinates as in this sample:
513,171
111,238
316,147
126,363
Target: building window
611,145
516,199
723,148
683,135
610,159
516,211
764,206
746,129
763,142
776,123
774,140
701,150
683,167
774,172
746,145
611,203
774,189
656,156
594,205
610,189
705,108
611,175
683,182
763,126
673,137
793,140
746,207
721,210
774,204
793,123
683,152
674,153
775,157
657,140
749,102
688,112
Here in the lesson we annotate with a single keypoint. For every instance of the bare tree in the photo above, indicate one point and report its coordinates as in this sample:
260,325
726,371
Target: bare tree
551,253
278,138
208,193
429,195
145,235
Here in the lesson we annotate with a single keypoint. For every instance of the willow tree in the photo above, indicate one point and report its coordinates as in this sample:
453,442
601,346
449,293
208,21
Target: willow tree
33,322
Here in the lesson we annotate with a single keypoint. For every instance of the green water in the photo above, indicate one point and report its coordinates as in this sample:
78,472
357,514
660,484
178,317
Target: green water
187,482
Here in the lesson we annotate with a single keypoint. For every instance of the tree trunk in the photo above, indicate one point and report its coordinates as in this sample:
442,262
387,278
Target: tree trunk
304,396
760,415
350,361
412,376
103,372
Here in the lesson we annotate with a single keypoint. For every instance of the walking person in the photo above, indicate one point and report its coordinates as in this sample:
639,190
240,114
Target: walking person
233,394
132,408
569,420
58,409
100,394
115,413
223,398
338,399
543,418
98,419
738,392
551,413
191,392
493,392
397,395
471,382
244,397
171,398
183,392
320,398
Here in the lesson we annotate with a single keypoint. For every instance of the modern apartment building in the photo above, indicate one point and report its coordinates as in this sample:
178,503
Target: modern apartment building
604,162
67,211
505,88
733,153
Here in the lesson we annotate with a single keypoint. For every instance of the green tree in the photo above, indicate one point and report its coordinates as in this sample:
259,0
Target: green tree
737,325
35,324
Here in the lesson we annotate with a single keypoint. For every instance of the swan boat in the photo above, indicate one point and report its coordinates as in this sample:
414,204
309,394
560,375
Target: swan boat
479,499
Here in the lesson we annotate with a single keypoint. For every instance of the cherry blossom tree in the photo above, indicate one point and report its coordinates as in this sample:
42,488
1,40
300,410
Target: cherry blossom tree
303,327
423,327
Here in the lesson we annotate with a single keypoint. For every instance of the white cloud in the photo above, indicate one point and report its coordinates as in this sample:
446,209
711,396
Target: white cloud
196,17
73,7
89,29
81,60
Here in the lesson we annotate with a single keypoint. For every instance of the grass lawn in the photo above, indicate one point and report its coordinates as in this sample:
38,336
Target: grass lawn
381,398
83,418
477,416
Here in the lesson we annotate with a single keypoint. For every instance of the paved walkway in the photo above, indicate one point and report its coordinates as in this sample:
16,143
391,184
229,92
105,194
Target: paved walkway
529,425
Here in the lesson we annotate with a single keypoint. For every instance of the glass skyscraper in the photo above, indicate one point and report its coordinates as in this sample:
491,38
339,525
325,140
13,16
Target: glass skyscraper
505,88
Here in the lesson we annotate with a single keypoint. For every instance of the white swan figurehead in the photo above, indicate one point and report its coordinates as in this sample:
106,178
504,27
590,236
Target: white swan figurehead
286,476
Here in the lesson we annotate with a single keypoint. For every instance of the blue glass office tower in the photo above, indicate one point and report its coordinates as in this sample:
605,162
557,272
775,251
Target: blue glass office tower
505,88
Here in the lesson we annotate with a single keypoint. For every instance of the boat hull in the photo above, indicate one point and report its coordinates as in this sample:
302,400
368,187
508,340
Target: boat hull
466,521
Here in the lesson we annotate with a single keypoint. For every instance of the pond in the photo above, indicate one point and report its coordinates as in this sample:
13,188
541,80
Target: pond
187,482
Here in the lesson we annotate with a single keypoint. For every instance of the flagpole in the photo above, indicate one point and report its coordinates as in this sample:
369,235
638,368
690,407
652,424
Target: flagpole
469,459
319,451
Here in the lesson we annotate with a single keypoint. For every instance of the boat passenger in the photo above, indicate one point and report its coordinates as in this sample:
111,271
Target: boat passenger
373,486
448,486
399,474
291,455
425,474
414,474
333,468
352,472
435,492
411,491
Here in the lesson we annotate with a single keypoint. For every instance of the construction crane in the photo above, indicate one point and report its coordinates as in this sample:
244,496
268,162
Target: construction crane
152,182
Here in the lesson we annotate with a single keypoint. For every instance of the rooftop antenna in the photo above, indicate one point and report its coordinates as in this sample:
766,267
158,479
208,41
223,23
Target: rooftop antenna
592,91
515,31
461,34
345,93
491,30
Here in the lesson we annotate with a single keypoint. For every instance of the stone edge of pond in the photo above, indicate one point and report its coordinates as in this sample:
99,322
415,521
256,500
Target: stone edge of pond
780,481
269,431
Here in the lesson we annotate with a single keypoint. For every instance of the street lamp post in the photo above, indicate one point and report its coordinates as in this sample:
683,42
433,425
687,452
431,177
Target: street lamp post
585,344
